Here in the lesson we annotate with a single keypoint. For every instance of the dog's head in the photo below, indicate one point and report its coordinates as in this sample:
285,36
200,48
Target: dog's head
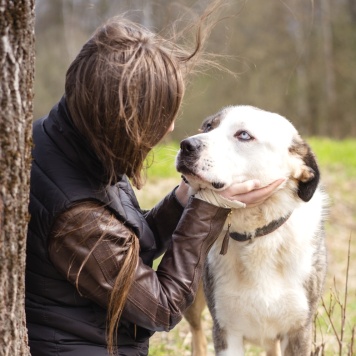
243,142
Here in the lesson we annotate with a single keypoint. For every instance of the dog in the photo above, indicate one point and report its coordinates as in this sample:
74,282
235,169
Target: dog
264,275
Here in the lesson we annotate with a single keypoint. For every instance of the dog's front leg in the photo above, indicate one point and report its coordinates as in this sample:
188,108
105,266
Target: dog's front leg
227,344
298,343
194,317
274,349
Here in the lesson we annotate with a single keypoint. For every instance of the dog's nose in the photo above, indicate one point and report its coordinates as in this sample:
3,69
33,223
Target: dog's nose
190,145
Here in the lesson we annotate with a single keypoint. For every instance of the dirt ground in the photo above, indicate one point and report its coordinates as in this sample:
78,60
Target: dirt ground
340,228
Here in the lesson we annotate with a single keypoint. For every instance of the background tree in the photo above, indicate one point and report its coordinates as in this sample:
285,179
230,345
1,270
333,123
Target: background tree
294,57
16,94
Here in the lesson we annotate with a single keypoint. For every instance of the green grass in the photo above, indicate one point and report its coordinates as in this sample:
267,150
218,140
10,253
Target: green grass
334,154
161,161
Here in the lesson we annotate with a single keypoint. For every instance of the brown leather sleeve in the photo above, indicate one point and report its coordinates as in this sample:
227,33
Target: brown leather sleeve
163,219
74,247
156,299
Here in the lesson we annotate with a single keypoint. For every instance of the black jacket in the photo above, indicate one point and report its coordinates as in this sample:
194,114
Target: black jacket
64,172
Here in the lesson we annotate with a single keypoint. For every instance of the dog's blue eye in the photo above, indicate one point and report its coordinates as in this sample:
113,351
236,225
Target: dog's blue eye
244,136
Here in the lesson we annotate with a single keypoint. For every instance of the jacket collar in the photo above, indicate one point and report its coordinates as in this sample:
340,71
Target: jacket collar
59,126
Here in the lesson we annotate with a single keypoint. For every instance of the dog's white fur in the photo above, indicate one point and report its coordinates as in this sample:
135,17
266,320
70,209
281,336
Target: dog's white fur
264,290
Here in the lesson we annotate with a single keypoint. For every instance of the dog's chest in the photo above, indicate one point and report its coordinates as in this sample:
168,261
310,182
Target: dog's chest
259,285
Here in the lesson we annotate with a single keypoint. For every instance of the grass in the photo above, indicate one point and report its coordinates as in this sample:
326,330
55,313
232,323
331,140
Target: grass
161,161
335,155
336,320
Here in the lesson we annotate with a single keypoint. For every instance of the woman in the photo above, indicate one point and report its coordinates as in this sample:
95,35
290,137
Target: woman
89,281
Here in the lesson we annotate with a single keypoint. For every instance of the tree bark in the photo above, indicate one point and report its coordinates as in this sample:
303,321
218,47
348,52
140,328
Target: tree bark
329,77
352,10
296,29
16,98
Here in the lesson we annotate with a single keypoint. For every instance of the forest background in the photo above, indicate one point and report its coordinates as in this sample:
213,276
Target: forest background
294,57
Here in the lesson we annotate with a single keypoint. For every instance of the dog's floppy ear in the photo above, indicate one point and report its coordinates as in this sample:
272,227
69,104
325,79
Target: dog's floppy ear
308,177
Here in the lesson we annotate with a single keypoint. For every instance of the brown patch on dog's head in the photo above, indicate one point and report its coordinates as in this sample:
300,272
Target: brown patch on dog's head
211,122
308,178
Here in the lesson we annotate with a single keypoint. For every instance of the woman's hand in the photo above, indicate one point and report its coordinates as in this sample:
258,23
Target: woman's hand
238,195
182,193
250,192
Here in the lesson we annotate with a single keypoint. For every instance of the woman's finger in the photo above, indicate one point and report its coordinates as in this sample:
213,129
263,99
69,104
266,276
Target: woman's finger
257,196
240,188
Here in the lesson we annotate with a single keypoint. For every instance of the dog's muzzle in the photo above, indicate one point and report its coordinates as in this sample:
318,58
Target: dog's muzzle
188,155
191,146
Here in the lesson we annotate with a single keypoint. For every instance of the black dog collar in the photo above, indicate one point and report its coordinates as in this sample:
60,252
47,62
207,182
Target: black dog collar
262,231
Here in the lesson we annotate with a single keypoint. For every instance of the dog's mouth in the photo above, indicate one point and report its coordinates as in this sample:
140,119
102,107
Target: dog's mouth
197,181
197,177
218,185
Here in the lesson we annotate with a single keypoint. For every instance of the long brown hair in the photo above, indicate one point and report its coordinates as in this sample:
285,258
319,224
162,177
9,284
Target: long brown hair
124,90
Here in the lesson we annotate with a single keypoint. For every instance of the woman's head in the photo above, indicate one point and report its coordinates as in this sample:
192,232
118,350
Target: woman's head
124,90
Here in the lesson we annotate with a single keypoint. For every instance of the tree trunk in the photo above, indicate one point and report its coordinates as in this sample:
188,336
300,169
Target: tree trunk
352,10
16,94
329,78
296,28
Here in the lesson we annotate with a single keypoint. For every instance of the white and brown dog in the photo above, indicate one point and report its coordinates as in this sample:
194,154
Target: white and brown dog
263,287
